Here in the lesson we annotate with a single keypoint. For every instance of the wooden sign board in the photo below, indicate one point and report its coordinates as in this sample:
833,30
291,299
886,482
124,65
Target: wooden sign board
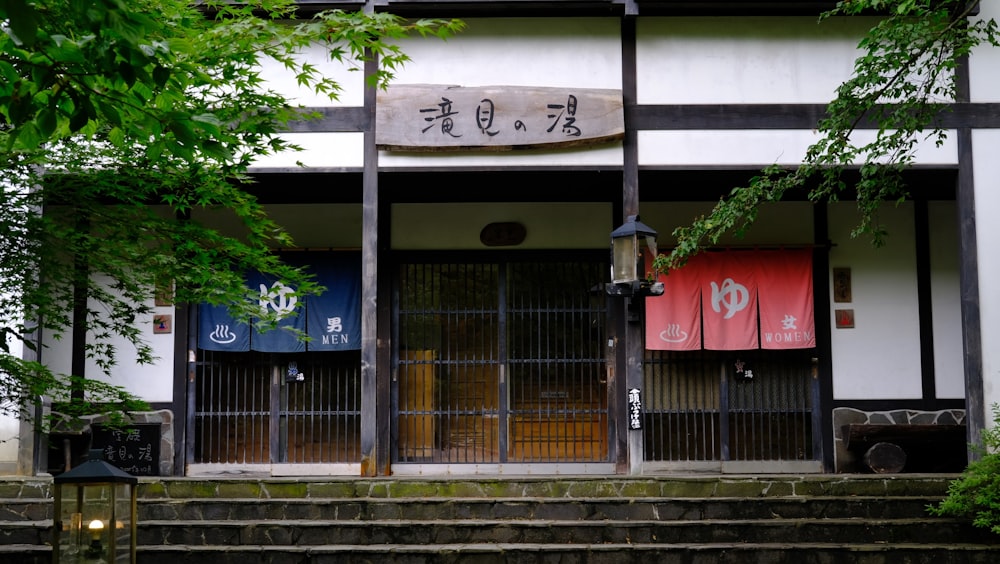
427,117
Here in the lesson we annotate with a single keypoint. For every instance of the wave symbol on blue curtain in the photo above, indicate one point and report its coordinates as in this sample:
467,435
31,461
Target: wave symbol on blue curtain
279,297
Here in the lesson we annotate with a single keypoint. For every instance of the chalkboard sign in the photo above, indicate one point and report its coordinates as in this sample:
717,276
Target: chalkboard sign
135,449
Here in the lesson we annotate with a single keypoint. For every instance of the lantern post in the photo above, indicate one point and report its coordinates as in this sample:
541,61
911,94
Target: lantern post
94,517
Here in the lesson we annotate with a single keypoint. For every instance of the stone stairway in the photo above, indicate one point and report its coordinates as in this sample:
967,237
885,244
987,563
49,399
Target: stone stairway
817,519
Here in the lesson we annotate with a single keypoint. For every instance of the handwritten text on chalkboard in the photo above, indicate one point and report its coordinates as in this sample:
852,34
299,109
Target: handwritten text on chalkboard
134,449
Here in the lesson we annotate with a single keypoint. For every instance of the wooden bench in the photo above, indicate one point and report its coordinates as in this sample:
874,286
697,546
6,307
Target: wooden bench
889,447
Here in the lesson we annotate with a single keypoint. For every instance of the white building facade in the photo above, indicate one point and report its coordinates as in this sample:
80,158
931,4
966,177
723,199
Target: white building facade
487,343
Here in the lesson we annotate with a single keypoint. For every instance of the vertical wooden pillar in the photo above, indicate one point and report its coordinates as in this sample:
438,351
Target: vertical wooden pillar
630,345
921,224
383,332
822,373
81,292
975,408
372,464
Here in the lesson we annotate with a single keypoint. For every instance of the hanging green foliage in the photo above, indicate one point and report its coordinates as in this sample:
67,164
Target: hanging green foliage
123,120
904,78
976,494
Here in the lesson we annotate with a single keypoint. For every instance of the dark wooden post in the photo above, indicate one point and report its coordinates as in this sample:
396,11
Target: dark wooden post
968,276
81,290
372,464
631,343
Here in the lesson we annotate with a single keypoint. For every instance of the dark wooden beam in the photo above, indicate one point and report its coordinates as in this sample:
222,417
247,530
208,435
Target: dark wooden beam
735,7
746,7
334,120
577,8
782,116
548,184
675,117
861,434
502,8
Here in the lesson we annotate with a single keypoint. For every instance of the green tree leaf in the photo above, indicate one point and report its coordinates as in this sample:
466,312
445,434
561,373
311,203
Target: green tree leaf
905,70
115,105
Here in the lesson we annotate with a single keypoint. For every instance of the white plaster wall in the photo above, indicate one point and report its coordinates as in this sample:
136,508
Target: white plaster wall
10,426
946,306
986,171
985,87
348,74
572,52
321,152
152,382
556,225
744,59
984,80
757,148
564,52
880,357
747,60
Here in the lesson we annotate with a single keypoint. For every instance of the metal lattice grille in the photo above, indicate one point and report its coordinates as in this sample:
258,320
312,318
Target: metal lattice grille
749,406
322,413
232,408
557,389
682,406
501,363
245,408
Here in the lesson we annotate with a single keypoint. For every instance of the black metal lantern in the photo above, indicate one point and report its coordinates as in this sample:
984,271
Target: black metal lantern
629,244
94,518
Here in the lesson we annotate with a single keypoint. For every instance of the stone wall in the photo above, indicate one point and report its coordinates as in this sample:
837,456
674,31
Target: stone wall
165,418
82,428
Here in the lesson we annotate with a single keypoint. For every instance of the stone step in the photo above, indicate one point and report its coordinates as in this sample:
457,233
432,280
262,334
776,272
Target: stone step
306,532
818,485
537,508
822,519
25,509
674,487
537,531
25,533
504,553
14,510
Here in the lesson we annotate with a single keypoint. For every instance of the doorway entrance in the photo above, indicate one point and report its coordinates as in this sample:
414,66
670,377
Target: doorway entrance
249,412
732,410
501,362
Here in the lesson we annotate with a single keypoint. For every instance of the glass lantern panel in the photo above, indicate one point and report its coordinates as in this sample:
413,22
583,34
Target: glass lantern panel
95,523
624,257
123,529
651,245
84,512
